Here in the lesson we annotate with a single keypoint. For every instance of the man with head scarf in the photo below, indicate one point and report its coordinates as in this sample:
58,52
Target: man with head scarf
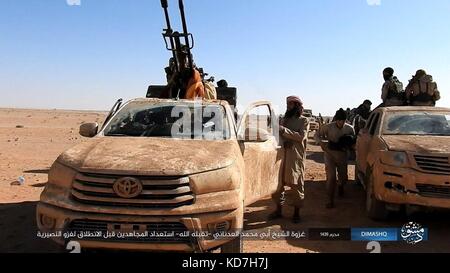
422,90
392,92
294,130
364,109
334,140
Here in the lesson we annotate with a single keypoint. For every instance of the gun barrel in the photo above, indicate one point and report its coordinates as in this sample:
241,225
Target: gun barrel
169,30
186,33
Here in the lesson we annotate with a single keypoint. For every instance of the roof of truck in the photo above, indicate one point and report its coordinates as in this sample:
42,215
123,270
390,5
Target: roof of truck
412,109
155,100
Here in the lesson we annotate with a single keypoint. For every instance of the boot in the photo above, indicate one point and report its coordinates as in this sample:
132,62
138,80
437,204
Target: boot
277,214
296,218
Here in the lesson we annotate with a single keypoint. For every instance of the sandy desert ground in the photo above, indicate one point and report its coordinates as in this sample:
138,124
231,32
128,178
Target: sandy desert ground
30,140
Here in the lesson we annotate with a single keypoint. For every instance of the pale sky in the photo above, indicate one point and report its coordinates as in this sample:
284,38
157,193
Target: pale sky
328,52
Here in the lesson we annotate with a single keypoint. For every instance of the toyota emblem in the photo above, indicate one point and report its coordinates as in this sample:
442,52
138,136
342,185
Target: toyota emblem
128,187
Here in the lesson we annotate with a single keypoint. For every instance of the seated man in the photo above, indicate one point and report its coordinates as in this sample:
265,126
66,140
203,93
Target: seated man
422,90
186,84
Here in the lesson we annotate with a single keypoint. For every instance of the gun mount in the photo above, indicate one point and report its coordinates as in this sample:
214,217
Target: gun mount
180,44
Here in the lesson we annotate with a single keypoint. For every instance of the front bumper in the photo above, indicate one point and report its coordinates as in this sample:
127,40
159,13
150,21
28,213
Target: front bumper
193,223
409,186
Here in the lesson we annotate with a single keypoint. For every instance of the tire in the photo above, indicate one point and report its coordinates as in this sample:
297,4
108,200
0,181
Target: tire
376,210
357,180
235,246
358,174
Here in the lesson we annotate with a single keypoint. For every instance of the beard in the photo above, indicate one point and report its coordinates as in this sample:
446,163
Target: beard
294,112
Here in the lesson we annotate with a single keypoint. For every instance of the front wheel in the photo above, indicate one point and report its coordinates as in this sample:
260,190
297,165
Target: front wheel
358,174
376,209
235,246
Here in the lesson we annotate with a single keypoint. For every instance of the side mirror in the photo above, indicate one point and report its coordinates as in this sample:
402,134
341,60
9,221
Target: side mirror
89,129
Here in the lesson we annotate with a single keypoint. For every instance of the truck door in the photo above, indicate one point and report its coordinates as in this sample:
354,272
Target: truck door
261,151
364,142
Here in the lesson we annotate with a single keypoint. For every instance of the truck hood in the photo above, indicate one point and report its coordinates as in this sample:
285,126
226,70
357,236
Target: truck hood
421,144
150,156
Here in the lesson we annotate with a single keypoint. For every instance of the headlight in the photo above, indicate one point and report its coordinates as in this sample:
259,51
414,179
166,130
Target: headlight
215,181
47,222
396,159
61,175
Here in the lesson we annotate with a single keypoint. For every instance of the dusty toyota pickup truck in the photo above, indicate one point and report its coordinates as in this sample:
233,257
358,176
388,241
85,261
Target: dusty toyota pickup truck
403,158
149,170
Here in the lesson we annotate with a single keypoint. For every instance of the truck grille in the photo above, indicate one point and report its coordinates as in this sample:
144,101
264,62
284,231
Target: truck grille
433,164
157,192
157,232
433,191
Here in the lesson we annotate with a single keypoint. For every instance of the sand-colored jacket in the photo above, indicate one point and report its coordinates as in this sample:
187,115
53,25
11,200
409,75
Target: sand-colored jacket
294,138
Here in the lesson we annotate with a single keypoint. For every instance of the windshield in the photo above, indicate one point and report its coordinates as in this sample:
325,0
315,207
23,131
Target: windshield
414,123
167,120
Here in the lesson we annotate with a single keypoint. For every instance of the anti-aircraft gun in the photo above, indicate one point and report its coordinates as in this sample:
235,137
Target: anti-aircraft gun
180,44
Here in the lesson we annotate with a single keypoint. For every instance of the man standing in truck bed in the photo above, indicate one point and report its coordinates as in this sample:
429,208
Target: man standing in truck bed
294,134
392,92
